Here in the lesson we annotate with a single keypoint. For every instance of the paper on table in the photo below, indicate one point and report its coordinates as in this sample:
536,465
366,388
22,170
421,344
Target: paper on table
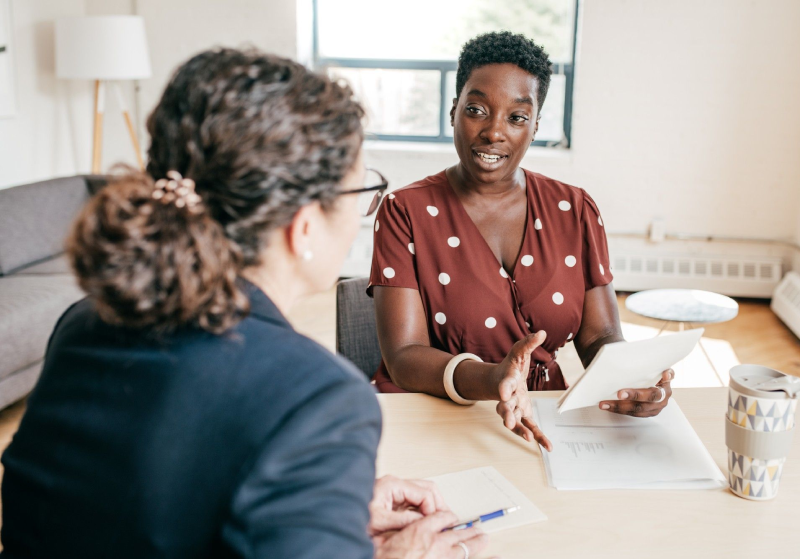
471,493
627,365
594,449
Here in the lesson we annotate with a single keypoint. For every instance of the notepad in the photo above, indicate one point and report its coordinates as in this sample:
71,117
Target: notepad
594,449
627,365
471,493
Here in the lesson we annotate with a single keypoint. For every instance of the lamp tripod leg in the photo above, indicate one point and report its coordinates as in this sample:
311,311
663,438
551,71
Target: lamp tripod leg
99,109
129,124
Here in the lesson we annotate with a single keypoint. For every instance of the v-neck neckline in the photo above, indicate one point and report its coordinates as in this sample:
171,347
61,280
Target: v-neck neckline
510,275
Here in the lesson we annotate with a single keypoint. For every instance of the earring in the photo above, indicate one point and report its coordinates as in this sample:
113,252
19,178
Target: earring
307,255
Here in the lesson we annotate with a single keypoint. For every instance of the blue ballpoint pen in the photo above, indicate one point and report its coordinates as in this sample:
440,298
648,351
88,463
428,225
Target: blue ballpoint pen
482,518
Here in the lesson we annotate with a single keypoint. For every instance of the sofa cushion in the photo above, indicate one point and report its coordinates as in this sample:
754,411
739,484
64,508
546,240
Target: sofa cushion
35,219
30,306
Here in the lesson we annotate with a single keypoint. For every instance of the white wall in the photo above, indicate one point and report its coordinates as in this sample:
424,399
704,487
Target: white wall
180,28
796,259
689,110
684,110
50,134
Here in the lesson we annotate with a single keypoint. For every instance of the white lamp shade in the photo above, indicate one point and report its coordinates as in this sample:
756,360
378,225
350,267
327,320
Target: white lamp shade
102,48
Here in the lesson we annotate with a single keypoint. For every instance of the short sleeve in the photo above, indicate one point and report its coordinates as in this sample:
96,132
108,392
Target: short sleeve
308,491
596,263
393,254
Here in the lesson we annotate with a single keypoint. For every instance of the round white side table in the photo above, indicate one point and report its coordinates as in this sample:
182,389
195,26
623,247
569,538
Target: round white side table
685,307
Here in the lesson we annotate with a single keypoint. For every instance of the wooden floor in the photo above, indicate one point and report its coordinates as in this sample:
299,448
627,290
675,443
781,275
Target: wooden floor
755,336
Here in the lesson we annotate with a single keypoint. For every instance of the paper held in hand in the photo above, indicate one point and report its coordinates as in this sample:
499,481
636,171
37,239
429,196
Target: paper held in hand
627,365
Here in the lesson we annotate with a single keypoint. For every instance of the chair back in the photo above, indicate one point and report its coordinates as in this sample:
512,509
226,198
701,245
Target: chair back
356,329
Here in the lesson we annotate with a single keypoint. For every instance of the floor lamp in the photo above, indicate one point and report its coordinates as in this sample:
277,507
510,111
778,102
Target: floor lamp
106,49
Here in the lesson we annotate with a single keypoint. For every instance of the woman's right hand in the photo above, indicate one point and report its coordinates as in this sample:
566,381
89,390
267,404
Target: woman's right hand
424,539
512,389
396,503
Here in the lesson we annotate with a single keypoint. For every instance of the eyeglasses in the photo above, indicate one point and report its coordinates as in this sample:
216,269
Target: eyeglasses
369,197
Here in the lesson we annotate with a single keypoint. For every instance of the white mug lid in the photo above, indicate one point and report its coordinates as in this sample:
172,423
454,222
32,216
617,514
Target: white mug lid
763,382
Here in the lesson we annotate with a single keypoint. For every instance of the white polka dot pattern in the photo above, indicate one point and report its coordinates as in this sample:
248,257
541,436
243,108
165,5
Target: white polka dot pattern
493,312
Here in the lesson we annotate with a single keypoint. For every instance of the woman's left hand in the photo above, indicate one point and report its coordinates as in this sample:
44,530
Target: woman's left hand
642,402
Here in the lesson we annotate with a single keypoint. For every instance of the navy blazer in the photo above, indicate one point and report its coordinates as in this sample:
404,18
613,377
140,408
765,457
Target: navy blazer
255,443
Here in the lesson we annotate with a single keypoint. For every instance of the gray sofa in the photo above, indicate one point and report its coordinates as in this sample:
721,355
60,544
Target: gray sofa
36,284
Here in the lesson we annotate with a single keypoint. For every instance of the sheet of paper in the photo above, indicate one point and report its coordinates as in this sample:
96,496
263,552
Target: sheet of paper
628,365
594,449
471,493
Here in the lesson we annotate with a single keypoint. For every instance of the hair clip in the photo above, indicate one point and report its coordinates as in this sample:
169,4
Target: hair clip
177,190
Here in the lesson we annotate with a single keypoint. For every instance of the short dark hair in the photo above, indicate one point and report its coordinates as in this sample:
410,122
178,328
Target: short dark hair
504,47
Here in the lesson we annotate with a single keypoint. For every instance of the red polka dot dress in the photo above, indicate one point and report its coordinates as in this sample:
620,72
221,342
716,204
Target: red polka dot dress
425,240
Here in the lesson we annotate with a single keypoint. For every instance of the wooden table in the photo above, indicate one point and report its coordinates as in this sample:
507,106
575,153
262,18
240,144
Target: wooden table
425,436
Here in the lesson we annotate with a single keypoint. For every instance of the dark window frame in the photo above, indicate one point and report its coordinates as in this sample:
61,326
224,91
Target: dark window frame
443,66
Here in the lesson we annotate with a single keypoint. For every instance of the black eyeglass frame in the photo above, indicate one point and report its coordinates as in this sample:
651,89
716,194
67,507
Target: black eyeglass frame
379,189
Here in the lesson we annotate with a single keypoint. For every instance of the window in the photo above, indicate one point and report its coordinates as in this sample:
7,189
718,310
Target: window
401,58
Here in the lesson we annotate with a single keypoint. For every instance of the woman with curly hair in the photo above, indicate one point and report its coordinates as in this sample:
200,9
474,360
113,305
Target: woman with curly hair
178,413
483,271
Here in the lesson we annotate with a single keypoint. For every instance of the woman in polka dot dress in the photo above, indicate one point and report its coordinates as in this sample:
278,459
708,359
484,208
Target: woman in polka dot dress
481,272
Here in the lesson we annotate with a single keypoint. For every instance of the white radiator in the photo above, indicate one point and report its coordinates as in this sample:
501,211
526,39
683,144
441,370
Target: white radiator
786,302
735,276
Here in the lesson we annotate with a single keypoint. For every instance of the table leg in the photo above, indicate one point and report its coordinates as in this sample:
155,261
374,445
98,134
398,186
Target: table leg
666,323
708,358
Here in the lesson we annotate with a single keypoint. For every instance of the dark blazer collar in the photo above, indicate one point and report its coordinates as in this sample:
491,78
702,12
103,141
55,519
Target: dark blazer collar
261,306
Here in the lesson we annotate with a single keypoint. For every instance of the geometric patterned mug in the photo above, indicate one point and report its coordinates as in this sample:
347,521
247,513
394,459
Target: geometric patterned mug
760,423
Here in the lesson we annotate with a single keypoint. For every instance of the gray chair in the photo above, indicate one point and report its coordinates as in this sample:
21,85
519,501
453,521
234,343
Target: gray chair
356,330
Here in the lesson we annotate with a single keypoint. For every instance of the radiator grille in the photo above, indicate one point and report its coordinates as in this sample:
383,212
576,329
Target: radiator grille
737,276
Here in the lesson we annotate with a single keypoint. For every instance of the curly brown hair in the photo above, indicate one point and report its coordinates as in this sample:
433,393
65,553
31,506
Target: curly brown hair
261,136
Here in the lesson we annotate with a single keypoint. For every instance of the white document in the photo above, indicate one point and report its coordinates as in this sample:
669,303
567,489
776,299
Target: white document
472,493
595,449
627,365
